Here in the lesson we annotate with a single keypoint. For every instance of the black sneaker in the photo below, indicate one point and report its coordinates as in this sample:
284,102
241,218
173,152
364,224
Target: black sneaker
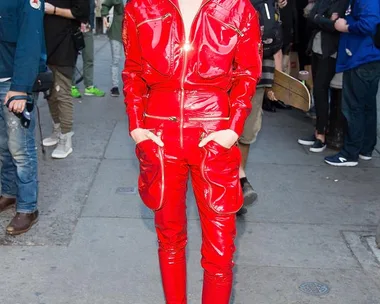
250,196
242,211
339,160
307,141
318,146
115,92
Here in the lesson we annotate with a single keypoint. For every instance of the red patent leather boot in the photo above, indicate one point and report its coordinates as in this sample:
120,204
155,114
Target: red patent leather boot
216,289
173,273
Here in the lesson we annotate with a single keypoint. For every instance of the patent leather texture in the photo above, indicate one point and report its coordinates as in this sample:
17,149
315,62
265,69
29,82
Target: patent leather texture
214,172
212,75
182,91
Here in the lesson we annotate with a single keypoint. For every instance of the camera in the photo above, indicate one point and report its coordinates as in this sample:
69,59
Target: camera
25,116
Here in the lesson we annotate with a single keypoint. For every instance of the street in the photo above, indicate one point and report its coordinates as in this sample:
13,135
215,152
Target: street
95,241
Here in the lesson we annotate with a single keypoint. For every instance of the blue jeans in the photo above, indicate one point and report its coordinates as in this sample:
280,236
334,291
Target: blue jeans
360,86
18,157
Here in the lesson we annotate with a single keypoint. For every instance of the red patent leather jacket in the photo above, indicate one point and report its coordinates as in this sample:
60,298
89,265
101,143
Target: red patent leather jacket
213,76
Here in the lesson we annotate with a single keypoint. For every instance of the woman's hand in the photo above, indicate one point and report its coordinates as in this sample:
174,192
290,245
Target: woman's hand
282,3
270,95
140,135
49,8
107,25
334,16
226,138
341,25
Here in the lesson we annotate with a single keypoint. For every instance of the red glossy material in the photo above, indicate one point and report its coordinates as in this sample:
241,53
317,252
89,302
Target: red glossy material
215,75
183,92
214,172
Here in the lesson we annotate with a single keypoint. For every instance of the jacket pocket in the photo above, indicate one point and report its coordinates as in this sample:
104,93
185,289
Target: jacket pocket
151,183
8,28
156,43
220,170
217,48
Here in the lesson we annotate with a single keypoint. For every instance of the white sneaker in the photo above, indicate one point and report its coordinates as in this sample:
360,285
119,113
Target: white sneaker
52,140
64,147
365,157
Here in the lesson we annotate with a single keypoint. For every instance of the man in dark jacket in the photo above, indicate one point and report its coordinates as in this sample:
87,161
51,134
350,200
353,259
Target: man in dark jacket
21,44
359,60
63,19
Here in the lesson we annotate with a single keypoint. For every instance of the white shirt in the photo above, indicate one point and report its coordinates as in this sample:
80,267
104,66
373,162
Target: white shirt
4,79
189,9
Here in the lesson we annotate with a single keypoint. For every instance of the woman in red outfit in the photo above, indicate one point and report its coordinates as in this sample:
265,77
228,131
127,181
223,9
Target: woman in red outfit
191,70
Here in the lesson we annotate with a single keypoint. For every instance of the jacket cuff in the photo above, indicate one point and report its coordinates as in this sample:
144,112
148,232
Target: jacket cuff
237,125
135,124
21,88
352,27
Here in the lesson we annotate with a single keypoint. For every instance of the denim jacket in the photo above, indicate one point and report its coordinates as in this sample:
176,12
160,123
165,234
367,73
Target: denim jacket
21,42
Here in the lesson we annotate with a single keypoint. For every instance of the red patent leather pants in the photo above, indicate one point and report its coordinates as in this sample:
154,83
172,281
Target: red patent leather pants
214,172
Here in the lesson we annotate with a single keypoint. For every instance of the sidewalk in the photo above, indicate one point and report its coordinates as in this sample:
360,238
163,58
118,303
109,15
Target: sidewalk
95,242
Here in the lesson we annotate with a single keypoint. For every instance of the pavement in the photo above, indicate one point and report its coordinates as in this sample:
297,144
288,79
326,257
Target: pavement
308,240
378,122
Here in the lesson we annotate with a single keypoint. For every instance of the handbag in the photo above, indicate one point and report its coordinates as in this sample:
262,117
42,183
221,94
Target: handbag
44,81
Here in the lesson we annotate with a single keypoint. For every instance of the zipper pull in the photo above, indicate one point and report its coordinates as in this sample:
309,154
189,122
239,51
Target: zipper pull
187,46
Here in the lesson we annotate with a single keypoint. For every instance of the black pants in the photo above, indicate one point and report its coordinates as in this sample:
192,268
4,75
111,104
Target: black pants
323,72
304,33
360,86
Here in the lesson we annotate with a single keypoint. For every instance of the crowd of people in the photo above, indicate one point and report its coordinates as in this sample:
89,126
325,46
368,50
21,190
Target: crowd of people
39,46
337,39
343,40
195,78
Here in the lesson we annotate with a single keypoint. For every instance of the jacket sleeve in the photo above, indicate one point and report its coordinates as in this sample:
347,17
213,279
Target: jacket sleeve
295,23
247,72
29,47
320,22
365,21
324,23
81,10
106,7
135,88
327,24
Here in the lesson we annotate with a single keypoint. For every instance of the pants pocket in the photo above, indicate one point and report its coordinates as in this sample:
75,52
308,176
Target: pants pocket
152,179
220,170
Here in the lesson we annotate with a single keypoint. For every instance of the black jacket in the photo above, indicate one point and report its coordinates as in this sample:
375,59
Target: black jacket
320,20
289,18
58,32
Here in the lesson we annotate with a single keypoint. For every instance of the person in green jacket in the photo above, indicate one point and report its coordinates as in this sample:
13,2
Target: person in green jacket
114,29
